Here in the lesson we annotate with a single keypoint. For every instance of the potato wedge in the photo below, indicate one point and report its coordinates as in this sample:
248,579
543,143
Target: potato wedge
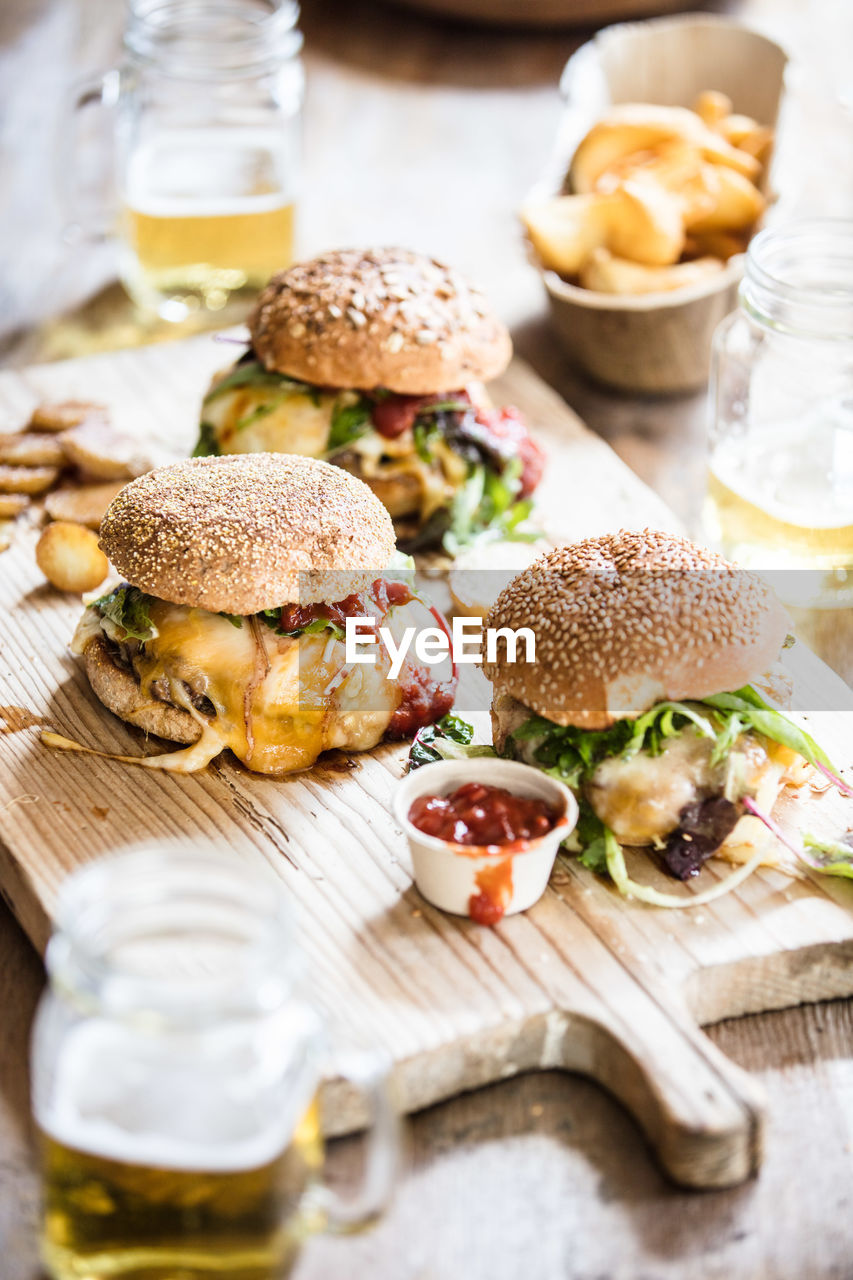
30,449
12,504
632,127
712,106
747,135
62,416
738,204
680,169
102,452
83,504
27,479
605,273
645,224
70,558
564,231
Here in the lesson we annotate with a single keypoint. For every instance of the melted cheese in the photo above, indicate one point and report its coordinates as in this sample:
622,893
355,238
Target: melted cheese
274,719
272,421
277,708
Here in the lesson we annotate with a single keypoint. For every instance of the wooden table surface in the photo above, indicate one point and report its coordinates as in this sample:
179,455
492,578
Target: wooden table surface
422,132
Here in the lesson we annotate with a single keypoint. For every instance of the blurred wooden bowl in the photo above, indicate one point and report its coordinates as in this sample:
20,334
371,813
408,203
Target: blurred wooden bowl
661,342
544,13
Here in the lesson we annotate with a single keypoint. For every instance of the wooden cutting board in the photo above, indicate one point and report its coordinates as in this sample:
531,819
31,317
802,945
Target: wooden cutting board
584,981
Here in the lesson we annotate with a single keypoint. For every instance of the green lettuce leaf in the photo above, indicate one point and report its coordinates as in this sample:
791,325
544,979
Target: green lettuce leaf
448,739
128,608
272,618
425,434
250,373
486,507
349,421
207,442
758,715
829,857
573,754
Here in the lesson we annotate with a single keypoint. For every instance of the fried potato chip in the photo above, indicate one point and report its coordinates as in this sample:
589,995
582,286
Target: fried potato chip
62,416
82,504
27,479
103,452
70,558
12,504
30,449
605,273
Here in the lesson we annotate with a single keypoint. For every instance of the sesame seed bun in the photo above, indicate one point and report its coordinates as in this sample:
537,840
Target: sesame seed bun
630,619
378,318
246,532
119,690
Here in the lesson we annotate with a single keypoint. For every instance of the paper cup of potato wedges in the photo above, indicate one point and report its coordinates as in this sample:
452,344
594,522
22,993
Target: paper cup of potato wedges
659,178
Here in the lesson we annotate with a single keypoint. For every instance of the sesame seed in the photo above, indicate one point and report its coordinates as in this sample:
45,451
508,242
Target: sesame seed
356,318
424,337
394,342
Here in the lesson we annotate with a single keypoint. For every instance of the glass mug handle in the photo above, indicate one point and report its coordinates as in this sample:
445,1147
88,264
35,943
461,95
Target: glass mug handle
342,1213
85,219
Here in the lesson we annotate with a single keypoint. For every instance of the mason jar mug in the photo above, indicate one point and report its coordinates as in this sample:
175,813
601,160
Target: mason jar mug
780,482
175,1077
206,108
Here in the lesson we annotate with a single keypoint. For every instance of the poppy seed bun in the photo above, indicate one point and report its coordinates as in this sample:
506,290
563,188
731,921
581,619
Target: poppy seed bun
119,690
246,532
627,620
378,318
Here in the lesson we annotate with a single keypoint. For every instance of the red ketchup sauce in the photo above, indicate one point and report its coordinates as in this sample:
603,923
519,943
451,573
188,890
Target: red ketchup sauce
504,430
479,816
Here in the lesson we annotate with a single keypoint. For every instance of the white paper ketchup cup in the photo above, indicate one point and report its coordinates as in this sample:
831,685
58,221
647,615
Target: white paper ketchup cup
466,879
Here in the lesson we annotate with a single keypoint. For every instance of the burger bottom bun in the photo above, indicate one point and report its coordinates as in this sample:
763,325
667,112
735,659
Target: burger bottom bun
120,692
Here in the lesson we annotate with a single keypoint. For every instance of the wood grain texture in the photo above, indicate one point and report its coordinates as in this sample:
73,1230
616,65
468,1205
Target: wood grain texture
584,981
541,1175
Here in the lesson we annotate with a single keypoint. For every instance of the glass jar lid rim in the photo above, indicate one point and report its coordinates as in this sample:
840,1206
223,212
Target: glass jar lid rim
798,278
211,38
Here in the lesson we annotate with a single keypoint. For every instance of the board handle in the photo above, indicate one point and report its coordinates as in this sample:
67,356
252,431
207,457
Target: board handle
702,1114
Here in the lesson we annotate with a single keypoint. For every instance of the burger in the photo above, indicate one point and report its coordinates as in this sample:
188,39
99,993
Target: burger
228,631
375,361
657,694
